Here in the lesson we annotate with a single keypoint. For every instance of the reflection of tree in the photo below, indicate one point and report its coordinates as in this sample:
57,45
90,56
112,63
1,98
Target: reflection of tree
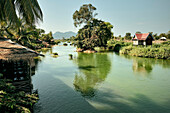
94,69
142,65
19,72
151,61
45,50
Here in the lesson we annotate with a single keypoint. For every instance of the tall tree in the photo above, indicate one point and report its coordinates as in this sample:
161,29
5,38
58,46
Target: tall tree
162,35
151,33
84,15
128,36
94,34
138,32
168,35
28,10
156,36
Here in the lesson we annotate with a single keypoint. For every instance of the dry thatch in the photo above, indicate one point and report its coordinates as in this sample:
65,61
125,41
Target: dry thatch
13,51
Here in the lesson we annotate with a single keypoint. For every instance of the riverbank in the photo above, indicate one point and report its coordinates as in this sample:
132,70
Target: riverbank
159,51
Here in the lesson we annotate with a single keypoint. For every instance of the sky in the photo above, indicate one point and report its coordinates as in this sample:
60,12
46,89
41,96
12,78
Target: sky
125,15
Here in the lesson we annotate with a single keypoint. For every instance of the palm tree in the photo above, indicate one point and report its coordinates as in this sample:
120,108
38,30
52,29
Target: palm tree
28,10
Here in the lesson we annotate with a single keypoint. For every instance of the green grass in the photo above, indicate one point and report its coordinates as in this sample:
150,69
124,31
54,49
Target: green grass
161,52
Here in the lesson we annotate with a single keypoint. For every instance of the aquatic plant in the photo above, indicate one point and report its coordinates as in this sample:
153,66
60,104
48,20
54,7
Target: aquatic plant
65,44
71,56
54,55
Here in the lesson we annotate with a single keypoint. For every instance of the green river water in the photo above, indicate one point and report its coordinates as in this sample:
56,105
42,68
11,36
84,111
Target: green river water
100,83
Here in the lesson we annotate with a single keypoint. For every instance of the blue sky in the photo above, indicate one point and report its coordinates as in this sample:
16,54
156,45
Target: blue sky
124,15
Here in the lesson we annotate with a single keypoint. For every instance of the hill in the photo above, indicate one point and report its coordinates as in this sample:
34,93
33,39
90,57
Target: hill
60,35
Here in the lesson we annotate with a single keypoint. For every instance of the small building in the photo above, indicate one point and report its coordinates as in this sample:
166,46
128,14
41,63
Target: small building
163,38
142,39
17,64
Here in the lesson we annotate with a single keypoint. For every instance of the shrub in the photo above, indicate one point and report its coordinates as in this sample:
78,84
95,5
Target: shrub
65,44
55,53
148,52
13,101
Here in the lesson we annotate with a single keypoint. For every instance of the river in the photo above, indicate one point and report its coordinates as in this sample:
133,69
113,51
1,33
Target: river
101,83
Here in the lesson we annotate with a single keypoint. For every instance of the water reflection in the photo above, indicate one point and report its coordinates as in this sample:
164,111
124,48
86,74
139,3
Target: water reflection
45,50
93,70
144,66
20,73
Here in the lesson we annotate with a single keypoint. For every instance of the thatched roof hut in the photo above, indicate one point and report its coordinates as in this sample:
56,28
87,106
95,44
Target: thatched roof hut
13,51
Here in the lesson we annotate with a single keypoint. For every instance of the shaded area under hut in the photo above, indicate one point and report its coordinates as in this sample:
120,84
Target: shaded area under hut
17,64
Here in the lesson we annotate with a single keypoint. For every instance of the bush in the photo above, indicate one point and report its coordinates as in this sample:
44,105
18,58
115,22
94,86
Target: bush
65,44
54,55
148,52
117,45
13,101
57,42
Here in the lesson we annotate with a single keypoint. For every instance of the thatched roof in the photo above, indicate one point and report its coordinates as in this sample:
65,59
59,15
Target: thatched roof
13,51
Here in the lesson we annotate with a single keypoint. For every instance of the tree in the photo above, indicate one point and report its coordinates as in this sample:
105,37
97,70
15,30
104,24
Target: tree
94,34
138,32
47,37
156,36
151,33
162,35
168,35
84,15
128,36
28,10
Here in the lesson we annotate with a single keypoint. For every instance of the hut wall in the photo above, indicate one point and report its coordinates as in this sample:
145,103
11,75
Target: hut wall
135,42
140,42
149,40
20,74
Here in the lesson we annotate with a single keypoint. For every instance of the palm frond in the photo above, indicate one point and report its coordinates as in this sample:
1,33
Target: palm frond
29,10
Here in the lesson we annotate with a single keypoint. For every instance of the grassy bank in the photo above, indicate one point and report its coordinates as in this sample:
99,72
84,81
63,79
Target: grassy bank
160,51
114,45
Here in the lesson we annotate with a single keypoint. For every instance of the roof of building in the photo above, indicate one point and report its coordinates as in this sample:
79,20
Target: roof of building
163,38
13,51
141,36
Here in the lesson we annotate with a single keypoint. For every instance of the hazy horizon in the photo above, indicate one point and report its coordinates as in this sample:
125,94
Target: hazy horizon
126,16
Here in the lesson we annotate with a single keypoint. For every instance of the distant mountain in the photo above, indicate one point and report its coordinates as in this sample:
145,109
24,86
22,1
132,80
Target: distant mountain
60,35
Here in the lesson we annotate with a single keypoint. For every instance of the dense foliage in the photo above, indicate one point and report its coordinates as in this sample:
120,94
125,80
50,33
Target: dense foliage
117,45
26,35
128,36
160,51
84,15
12,101
95,33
